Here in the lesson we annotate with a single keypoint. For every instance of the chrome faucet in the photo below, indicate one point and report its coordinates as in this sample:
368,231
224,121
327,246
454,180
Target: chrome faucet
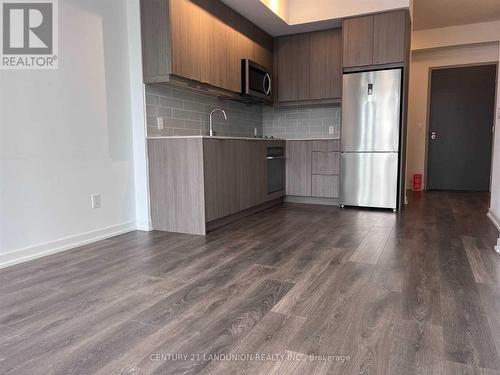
211,127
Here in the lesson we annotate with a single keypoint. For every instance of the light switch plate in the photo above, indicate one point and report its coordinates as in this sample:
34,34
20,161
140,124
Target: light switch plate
96,200
159,121
331,130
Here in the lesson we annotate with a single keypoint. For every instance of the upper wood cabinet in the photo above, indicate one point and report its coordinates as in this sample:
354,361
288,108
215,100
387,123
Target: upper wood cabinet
200,40
325,73
263,48
309,66
191,31
389,37
358,41
376,39
293,67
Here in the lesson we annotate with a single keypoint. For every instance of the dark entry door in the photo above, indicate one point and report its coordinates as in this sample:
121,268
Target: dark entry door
462,110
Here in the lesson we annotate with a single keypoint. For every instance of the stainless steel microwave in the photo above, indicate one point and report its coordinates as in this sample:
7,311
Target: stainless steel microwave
256,82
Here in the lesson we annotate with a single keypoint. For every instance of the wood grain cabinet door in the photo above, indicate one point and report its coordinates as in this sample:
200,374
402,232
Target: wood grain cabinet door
358,41
298,168
240,46
219,46
190,22
326,64
245,174
263,48
389,37
325,162
221,191
293,67
325,186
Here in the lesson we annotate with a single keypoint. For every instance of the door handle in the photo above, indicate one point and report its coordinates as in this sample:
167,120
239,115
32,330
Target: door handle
266,84
433,135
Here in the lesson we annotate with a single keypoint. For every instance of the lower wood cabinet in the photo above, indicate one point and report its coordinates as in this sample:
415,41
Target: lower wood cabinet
197,181
235,173
325,163
313,168
298,168
325,186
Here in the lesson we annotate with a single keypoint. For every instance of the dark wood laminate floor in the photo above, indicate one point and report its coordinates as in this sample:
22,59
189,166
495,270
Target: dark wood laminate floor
413,293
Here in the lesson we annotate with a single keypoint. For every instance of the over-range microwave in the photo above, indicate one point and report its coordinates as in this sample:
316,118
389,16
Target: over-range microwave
256,82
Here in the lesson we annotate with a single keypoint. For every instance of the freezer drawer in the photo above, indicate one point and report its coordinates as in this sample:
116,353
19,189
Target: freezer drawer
371,104
369,179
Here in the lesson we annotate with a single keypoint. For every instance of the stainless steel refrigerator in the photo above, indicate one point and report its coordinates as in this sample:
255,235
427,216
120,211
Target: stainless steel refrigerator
370,132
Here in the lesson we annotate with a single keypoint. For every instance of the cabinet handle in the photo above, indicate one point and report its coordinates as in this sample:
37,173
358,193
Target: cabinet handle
267,89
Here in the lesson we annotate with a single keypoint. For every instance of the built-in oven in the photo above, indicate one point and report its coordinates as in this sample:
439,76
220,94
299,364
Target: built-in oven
275,169
255,82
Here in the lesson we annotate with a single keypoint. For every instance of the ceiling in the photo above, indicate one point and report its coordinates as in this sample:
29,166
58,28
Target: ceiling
284,17
258,13
430,14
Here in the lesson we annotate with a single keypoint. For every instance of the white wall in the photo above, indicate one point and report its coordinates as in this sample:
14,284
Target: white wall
66,134
456,36
138,117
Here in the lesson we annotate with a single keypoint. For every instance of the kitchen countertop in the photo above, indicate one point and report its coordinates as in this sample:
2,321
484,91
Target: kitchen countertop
214,137
241,138
313,139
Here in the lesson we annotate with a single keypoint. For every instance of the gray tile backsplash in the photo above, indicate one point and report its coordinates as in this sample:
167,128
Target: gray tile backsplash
185,112
304,121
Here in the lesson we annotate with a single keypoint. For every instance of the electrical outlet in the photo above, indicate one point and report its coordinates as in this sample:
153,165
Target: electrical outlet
331,130
159,121
96,200
499,113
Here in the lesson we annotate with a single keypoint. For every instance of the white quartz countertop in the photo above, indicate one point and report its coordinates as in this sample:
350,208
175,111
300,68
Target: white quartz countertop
313,139
241,138
214,137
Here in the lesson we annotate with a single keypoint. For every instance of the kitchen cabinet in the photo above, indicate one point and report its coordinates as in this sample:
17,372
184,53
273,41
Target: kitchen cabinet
220,168
293,67
235,175
325,163
325,71
298,168
358,41
239,38
313,168
263,48
219,40
197,183
190,24
389,37
202,41
309,66
325,186
375,39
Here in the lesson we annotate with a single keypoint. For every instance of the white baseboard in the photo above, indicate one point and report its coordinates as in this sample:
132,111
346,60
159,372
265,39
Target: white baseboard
496,222
494,219
62,244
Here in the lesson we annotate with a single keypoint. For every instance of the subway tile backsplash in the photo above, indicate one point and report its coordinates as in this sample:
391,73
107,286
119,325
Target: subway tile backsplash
185,112
304,121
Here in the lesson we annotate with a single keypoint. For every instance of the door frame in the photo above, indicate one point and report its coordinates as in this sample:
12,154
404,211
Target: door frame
428,110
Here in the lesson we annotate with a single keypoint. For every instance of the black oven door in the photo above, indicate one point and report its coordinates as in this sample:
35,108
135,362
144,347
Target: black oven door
275,169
